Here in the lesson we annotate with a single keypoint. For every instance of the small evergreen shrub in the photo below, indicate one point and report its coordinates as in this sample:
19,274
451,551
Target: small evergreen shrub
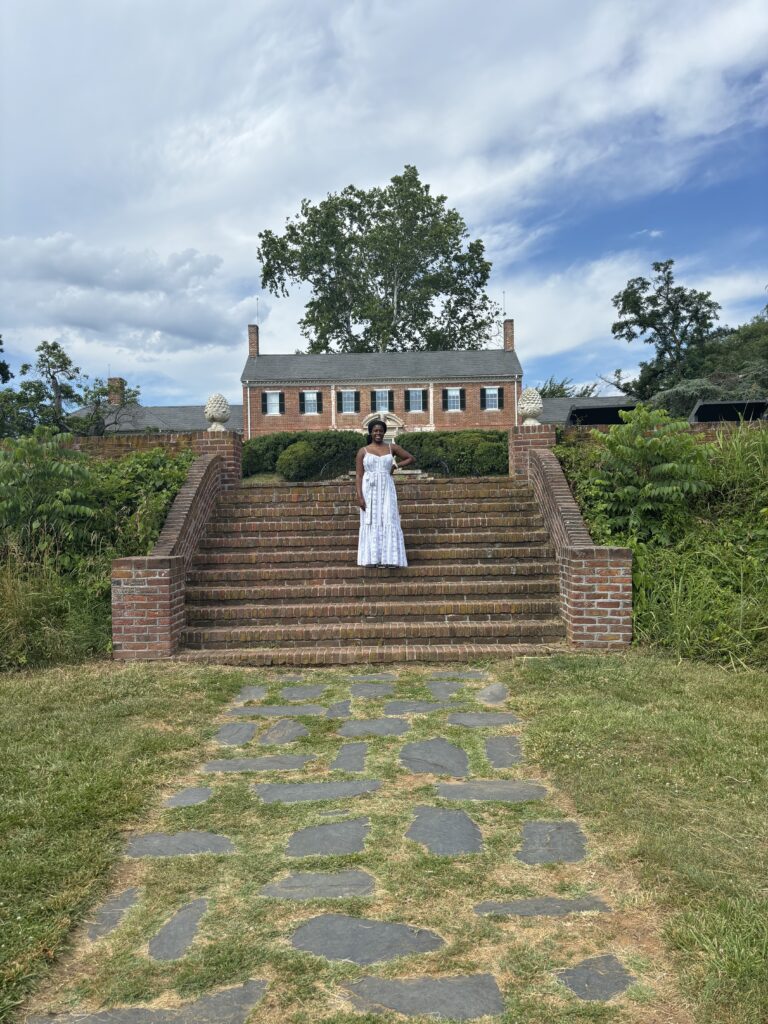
297,461
333,453
459,452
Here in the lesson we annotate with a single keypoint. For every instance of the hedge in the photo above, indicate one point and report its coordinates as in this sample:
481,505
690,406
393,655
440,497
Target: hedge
324,453
459,452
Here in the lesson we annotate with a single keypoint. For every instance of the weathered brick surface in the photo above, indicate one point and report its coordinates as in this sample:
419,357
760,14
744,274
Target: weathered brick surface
595,582
523,440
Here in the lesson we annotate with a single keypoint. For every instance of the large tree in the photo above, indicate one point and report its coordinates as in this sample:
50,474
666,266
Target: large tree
677,321
5,370
391,269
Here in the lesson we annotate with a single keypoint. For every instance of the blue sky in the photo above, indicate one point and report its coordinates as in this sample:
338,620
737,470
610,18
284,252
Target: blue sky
150,143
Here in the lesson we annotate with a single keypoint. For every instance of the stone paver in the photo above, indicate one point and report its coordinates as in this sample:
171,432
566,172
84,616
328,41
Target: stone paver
494,693
350,758
301,792
483,719
494,789
189,797
414,707
285,731
159,844
547,842
469,674
444,689
321,885
111,912
445,833
372,690
374,727
341,709
278,711
228,1006
335,838
305,693
435,757
503,751
597,979
268,763
251,693
235,734
363,941
542,906
178,934
460,997
373,677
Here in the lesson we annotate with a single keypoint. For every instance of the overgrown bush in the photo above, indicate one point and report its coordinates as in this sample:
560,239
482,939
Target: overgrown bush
700,584
459,452
296,461
333,453
63,517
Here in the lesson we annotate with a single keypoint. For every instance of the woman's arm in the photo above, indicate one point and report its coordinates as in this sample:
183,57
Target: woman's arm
359,479
404,458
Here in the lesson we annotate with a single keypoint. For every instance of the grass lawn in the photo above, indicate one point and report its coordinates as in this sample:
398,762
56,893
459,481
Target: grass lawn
663,764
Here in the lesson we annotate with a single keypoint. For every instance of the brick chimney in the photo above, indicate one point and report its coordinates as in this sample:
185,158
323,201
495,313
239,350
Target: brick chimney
115,390
253,339
509,335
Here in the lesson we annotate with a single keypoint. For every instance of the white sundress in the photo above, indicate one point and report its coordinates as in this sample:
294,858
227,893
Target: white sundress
381,538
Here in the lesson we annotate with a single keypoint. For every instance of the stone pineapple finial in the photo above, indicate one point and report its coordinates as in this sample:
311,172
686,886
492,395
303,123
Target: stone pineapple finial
530,407
217,412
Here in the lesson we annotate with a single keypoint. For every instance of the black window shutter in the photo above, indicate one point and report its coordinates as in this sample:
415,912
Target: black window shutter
407,399
482,398
501,398
373,401
301,401
424,400
462,399
391,402
339,401
263,403
282,403
319,401
445,398
357,401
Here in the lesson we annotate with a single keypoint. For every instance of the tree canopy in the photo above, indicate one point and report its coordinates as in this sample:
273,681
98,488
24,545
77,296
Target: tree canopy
565,388
5,370
391,269
677,321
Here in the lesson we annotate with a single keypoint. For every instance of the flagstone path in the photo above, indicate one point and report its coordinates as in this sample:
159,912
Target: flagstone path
423,747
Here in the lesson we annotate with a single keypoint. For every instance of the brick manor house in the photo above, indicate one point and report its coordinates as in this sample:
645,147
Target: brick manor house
412,391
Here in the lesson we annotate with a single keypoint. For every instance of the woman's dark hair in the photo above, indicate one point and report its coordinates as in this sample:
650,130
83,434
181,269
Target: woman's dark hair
375,423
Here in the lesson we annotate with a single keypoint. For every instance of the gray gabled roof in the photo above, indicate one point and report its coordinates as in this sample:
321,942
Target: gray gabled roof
167,419
385,367
558,410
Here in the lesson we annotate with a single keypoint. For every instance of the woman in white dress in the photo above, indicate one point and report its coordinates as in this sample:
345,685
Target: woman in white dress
381,539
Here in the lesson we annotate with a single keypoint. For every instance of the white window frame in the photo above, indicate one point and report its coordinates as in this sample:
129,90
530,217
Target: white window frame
311,412
347,398
453,395
379,392
273,397
420,393
495,393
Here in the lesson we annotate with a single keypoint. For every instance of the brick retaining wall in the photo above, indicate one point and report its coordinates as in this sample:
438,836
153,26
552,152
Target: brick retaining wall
148,592
595,582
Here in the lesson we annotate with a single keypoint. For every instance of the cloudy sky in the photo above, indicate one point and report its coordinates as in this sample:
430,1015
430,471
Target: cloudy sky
147,142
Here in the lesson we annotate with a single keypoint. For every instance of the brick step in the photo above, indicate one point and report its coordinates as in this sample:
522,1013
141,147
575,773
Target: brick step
331,542
380,654
501,587
419,610
343,633
469,554
327,511
499,487
344,523
366,576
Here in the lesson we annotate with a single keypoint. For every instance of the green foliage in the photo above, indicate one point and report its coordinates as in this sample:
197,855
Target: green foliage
565,388
5,370
700,586
333,453
677,321
391,270
101,410
297,461
650,469
459,452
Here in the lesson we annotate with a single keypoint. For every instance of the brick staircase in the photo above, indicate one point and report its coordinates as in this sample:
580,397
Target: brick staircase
274,579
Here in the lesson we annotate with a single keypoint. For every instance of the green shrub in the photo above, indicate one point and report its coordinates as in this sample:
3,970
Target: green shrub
333,451
459,452
297,461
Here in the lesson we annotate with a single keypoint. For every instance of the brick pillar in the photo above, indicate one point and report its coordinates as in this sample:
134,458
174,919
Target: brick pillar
147,607
522,440
227,444
596,595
